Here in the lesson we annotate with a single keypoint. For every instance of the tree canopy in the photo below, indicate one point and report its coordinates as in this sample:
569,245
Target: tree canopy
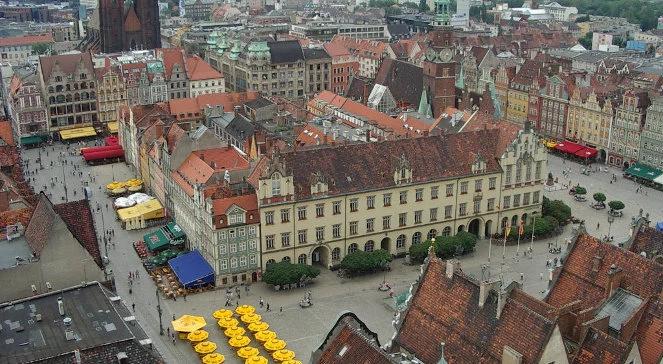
616,205
599,197
642,12
282,273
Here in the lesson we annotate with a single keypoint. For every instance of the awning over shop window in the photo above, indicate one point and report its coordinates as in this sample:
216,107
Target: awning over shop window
643,171
156,240
586,152
176,231
568,147
112,126
68,134
32,139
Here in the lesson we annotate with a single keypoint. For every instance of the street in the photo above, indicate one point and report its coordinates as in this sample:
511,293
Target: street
304,329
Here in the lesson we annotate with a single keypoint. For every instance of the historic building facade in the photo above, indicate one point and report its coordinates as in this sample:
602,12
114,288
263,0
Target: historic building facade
27,107
589,120
111,93
627,127
651,144
129,25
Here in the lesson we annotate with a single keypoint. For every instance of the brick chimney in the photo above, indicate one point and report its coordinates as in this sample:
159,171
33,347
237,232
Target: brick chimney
597,261
615,278
484,290
453,265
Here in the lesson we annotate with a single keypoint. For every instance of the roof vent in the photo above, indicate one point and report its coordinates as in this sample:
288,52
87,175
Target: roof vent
67,321
60,306
122,357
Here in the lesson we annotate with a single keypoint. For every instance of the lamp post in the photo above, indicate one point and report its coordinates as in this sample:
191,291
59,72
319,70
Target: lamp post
611,219
159,311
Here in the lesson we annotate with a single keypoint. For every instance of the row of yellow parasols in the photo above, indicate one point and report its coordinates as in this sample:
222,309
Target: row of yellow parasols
192,327
239,341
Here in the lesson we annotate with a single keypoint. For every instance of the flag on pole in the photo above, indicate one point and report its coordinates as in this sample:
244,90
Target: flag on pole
507,231
521,227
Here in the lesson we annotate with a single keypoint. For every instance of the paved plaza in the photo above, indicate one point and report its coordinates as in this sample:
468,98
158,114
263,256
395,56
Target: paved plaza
304,329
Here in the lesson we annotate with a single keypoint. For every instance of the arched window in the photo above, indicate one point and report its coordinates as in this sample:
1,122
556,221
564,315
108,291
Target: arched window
301,259
276,184
352,248
286,258
85,96
68,98
336,254
446,231
369,246
271,261
51,100
416,238
77,97
431,234
400,241
51,89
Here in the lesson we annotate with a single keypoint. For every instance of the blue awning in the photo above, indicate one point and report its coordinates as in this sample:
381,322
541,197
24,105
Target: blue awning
192,270
659,226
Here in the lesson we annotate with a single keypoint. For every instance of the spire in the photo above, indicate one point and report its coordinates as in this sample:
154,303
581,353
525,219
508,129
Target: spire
442,359
442,13
424,106
496,101
460,80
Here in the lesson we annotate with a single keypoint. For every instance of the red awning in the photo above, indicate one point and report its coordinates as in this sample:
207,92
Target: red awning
586,153
568,147
111,140
113,153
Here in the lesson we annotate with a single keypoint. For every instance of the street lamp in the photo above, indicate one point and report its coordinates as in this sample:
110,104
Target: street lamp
159,311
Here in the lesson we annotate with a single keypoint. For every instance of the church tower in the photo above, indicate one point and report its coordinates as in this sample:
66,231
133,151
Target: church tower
111,17
439,66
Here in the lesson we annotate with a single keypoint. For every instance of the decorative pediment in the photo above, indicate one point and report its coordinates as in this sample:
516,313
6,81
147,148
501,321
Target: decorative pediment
402,170
479,165
319,183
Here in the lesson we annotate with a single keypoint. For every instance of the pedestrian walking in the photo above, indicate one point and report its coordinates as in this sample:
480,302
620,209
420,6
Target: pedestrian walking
262,303
168,331
541,275
133,306
268,307
238,296
598,225
281,309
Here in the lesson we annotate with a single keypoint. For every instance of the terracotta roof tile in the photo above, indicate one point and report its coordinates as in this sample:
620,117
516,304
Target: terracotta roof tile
246,202
198,69
201,165
26,40
648,240
650,334
6,133
600,348
131,22
170,57
67,63
350,341
78,217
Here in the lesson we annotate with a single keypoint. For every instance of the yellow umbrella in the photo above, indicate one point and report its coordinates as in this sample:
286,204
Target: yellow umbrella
274,344
239,341
234,331
258,359
291,361
251,317
247,352
197,336
245,309
205,347
228,322
117,191
265,335
188,323
214,358
258,326
222,313
283,355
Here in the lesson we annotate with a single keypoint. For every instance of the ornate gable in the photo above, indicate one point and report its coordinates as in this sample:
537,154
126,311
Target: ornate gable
402,170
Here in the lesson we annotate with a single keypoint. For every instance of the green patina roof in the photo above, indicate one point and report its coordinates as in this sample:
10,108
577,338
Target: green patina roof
155,67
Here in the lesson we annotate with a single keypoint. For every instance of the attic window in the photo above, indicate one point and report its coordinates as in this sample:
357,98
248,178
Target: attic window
343,350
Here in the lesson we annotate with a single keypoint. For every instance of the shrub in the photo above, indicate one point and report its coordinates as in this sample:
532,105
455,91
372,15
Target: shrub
445,246
580,190
283,273
361,262
557,209
599,197
616,205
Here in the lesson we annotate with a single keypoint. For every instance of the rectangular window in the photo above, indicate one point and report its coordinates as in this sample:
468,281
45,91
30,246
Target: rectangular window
535,197
252,230
320,210
301,236
477,185
386,222
269,241
269,218
370,202
433,192
492,181
516,200
252,245
402,219
447,211
222,236
507,178
477,206
252,260
224,264
528,171
507,202
285,215
336,207
491,204
242,261
285,239
526,198
223,249
450,189
231,234
419,194
463,188
320,233
301,213
403,197
417,216
370,225
242,246
354,204
353,228
233,263
462,209
433,214
537,171
386,199
519,173
336,231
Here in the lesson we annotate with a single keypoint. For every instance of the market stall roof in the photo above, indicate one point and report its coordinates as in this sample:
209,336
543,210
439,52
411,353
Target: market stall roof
112,126
586,152
83,132
149,209
192,269
175,230
568,147
155,240
643,171
659,179
32,139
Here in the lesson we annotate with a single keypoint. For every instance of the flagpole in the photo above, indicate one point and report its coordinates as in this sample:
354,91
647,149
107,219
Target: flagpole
490,247
518,244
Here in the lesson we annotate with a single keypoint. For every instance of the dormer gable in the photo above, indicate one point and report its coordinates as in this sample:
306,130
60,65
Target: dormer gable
402,170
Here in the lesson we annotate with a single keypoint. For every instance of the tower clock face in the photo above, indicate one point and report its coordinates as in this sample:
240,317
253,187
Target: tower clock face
446,55
430,54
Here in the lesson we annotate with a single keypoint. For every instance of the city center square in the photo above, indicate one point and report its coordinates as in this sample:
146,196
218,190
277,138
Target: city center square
304,329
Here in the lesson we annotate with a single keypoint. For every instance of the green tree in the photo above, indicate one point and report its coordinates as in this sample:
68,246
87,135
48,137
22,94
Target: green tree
283,273
599,197
361,262
586,40
580,190
616,205
445,246
41,48
557,209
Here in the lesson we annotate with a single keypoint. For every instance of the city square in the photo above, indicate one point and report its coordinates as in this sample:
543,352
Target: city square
304,328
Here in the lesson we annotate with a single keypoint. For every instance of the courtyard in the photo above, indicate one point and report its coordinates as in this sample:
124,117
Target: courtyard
304,328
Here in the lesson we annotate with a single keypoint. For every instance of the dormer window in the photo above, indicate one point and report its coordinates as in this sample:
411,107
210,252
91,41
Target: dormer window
276,184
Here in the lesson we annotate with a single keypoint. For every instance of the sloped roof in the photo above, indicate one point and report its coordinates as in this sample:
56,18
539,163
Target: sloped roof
447,310
78,217
198,69
131,22
647,239
336,50
287,51
600,348
315,53
404,80
6,133
170,57
26,40
648,334
201,165
67,63
246,202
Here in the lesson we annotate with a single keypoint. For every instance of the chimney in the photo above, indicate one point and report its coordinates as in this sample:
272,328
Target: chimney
60,306
453,265
484,290
77,357
122,358
596,263
615,277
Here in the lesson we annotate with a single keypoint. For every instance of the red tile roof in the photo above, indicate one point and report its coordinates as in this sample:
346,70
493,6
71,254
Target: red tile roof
649,240
197,105
650,332
363,48
68,63
26,40
7,133
198,69
78,217
201,165
170,57
447,310
336,49
584,275
600,348
246,202
131,22
350,341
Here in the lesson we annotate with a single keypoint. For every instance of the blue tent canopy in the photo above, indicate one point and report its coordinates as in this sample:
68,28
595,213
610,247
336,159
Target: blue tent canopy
659,226
192,270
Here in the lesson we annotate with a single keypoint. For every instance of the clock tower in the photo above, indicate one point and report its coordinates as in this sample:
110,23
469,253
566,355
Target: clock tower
439,66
